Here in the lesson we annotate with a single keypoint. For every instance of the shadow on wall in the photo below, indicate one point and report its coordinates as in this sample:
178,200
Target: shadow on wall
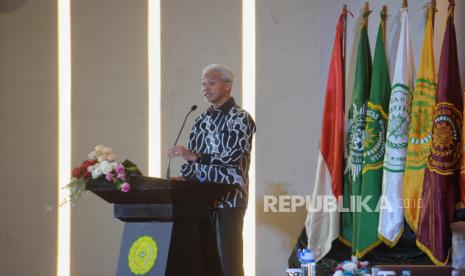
9,6
287,223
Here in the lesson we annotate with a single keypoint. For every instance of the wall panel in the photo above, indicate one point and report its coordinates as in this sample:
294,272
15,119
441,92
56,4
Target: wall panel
28,140
194,35
109,93
287,115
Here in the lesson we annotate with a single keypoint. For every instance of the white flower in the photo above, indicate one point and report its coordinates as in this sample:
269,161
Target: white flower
96,172
106,161
111,157
107,150
350,266
91,155
106,167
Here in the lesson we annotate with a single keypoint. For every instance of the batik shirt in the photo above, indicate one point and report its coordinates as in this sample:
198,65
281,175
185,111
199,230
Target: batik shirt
222,138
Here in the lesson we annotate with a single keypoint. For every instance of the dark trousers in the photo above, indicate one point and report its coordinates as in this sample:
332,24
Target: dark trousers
229,233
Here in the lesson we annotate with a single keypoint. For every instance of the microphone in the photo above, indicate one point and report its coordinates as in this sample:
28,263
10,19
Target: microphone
194,107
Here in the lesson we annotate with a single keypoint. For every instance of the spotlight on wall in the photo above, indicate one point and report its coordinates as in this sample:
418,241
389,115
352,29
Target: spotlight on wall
248,102
64,136
154,75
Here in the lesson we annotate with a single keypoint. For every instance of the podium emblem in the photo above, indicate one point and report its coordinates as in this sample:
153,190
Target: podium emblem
142,255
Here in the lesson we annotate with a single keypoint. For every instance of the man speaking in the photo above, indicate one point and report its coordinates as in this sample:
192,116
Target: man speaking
219,151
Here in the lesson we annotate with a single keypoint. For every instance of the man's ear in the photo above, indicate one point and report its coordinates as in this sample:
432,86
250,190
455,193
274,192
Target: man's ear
228,85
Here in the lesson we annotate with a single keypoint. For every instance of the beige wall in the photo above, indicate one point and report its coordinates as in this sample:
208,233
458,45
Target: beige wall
28,139
109,74
287,115
194,35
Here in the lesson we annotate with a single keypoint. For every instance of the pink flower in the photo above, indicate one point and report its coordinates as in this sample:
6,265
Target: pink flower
120,169
121,176
109,177
125,187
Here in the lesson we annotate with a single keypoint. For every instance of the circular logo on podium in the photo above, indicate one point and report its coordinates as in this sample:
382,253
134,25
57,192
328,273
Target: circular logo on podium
142,255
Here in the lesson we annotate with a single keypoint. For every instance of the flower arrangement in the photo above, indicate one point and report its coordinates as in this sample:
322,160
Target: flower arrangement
101,163
352,267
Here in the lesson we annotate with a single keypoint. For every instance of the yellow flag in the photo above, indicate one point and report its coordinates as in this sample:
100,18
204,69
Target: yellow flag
420,134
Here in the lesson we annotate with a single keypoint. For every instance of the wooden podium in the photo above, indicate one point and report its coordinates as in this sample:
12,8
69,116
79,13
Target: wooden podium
169,225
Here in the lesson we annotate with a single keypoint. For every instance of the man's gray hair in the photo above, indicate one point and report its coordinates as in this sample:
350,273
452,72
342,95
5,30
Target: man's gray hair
225,71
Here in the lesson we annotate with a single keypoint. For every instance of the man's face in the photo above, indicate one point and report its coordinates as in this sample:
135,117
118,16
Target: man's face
214,89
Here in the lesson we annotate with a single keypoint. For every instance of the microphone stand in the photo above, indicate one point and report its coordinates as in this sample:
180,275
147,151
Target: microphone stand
194,107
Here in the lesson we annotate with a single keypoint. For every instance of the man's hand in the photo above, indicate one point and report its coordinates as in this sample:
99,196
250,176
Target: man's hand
183,152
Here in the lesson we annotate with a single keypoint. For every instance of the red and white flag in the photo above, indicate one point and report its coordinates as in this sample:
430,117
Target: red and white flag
322,225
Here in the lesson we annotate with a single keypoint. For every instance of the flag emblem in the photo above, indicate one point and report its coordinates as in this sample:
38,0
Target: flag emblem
375,134
445,155
355,140
422,124
421,131
401,99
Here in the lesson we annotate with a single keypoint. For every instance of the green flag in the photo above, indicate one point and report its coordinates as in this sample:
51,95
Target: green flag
366,229
353,147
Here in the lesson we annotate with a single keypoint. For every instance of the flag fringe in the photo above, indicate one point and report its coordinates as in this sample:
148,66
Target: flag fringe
431,256
362,253
378,108
345,241
392,243
440,172
368,168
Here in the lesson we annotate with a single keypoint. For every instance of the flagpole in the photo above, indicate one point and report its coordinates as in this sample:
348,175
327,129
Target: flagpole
366,13
344,43
383,18
366,9
461,203
433,6
344,28
405,4
451,7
